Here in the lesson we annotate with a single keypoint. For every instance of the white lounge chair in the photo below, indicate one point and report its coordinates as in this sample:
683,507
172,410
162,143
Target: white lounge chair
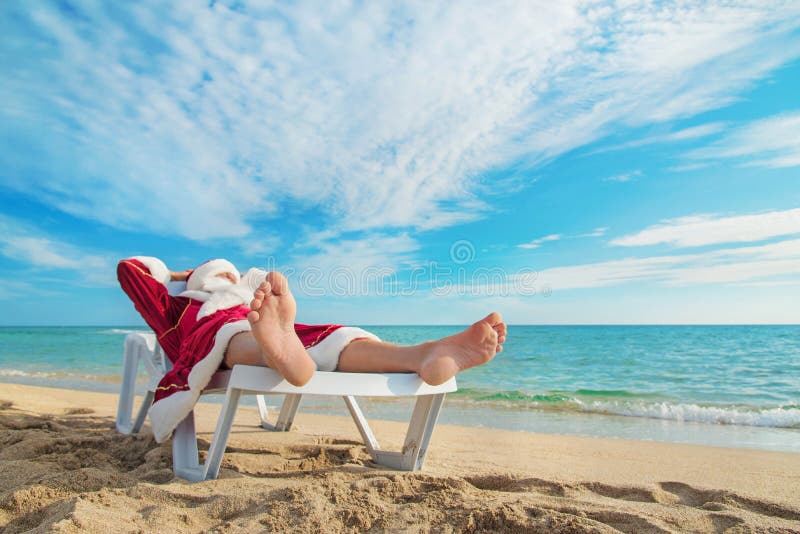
244,380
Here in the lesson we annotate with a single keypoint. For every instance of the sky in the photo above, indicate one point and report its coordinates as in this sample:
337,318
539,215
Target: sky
407,163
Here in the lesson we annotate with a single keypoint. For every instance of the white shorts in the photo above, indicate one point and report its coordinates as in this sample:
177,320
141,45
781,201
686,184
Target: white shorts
326,353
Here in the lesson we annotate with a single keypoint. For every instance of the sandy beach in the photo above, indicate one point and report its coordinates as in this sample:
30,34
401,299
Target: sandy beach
66,469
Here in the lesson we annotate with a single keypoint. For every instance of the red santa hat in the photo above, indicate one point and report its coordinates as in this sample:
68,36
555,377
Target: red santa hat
207,271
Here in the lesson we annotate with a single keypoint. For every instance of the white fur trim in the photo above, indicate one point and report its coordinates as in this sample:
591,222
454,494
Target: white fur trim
207,271
326,353
224,296
202,296
157,268
168,412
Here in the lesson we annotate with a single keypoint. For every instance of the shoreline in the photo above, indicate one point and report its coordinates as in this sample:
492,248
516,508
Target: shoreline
467,412
578,482
648,383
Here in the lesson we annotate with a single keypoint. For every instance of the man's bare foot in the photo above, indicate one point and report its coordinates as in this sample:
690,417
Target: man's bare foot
272,322
474,346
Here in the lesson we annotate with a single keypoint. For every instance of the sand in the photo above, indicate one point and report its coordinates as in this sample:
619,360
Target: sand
64,468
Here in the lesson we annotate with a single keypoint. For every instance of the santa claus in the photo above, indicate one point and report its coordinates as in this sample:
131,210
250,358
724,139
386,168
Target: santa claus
224,318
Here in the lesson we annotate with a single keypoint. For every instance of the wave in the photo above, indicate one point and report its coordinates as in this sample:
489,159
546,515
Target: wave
517,396
787,416
644,405
60,375
17,372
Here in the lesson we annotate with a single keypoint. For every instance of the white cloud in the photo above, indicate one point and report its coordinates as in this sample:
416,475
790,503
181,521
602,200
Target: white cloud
197,120
773,142
698,230
261,246
735,265
10,289
693,132
624,177
24,244
597,232
357,255
772,283
689,167
536,243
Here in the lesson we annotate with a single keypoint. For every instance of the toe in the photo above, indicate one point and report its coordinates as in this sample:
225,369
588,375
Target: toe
259,295
253,317
501,340
499,348
501,332
263,290
494,318
280,285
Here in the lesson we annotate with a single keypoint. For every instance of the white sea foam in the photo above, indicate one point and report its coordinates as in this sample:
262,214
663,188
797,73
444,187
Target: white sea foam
58,375
778,416
17,372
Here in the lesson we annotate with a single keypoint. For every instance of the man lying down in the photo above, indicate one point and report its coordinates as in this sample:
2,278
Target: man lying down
224,318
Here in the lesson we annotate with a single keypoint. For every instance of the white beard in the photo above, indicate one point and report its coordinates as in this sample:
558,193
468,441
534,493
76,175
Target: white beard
219,294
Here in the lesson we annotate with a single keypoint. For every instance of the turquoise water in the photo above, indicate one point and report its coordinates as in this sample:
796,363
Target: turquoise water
720,385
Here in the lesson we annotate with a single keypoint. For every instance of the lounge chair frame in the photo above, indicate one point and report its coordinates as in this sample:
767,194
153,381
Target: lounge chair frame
260,381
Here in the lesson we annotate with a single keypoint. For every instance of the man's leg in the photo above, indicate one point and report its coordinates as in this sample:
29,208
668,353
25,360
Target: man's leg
274,343
435,361
243,349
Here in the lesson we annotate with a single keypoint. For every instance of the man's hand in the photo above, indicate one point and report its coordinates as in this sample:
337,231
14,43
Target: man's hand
180,276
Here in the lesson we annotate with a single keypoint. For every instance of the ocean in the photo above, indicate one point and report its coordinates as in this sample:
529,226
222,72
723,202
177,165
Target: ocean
733,386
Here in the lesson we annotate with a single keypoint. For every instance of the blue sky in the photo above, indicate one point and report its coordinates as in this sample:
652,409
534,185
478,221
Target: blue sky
408,163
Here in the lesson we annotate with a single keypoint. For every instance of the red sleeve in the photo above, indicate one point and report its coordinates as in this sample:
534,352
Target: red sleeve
149,296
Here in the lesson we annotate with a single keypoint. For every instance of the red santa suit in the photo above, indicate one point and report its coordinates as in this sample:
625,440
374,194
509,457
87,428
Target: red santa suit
194,329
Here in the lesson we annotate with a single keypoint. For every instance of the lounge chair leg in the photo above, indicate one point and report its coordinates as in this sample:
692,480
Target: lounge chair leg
420,429
288,411
127,394
143,409
263,409
185,460
222,433
285,417
362,425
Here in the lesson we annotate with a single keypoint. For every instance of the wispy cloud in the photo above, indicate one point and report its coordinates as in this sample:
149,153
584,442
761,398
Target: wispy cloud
698,230
536,243
772,283
686,134
597,232
261,247
624,177
321,253
689,167
734,265
200,119
10,289
773,142
20,242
